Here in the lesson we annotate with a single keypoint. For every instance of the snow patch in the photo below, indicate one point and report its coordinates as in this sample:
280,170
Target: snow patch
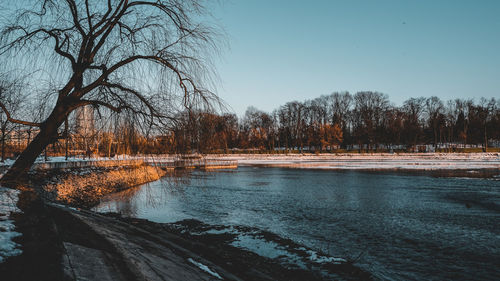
205,268
431,161
315,257
8,202
261,247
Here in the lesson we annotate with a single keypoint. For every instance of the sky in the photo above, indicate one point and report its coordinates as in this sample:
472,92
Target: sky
285,50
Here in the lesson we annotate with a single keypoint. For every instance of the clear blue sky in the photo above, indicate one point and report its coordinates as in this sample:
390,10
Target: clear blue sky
284,50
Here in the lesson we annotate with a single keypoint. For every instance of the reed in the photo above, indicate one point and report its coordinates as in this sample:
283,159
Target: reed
86,190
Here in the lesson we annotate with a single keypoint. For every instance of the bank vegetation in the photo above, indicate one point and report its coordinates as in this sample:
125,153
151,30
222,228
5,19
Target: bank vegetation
85,187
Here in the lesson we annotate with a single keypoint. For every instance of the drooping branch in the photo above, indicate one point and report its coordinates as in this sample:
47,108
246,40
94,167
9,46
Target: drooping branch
182,77
174,16
144,101
49,32
117,109
58,46
17,121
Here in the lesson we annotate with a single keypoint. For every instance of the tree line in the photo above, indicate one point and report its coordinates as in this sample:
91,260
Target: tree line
364,121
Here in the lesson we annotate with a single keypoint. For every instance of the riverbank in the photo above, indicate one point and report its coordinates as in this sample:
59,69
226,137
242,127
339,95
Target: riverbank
84,187
65,243
330,161
30,245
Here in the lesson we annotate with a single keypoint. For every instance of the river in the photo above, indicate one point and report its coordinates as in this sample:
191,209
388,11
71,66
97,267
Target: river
396,226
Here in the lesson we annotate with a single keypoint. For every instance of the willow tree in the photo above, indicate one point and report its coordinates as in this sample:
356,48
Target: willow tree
141,57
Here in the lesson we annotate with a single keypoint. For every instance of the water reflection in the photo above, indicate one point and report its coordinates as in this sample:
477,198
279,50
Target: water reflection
154,195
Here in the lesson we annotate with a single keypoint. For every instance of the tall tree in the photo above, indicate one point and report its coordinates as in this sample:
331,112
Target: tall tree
10,100
434,107
141,56
413,109
369,108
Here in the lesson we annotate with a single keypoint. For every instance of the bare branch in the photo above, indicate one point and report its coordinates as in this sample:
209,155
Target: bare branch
17,121
74,12
117,109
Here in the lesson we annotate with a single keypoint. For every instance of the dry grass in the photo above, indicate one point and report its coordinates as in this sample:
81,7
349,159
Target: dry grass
86,190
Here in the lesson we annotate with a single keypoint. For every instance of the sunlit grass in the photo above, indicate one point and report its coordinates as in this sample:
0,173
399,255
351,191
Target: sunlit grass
86,190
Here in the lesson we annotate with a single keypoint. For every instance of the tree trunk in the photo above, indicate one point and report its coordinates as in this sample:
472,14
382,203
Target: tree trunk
3,144
48,132
109,148
66,135
485,140
435,137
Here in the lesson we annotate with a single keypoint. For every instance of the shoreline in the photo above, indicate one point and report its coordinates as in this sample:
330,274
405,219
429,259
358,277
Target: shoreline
66,243
327,161
85,187
406,162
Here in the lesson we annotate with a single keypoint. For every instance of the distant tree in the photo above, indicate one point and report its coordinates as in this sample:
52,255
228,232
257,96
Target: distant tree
145,57
434,108
339,110
369,108
394,123
495,121
463,110
480,117
413,109
292,124
259,127
227,128
10,101
284,132
331,135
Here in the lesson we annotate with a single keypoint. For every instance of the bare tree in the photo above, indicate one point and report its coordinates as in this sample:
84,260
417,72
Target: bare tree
144,57
11,101
369,108
413,109
434,107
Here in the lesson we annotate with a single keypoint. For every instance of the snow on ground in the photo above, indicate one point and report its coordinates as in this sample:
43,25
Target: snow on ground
62,159
269,246
205,268
317,258
8,201
354,161
427,161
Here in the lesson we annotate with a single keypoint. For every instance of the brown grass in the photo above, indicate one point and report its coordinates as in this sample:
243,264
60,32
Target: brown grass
86,190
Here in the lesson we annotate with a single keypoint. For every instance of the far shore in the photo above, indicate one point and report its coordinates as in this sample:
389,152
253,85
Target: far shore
458,162
372,161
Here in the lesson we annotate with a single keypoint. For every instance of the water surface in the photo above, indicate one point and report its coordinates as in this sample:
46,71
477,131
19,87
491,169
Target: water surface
401,227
